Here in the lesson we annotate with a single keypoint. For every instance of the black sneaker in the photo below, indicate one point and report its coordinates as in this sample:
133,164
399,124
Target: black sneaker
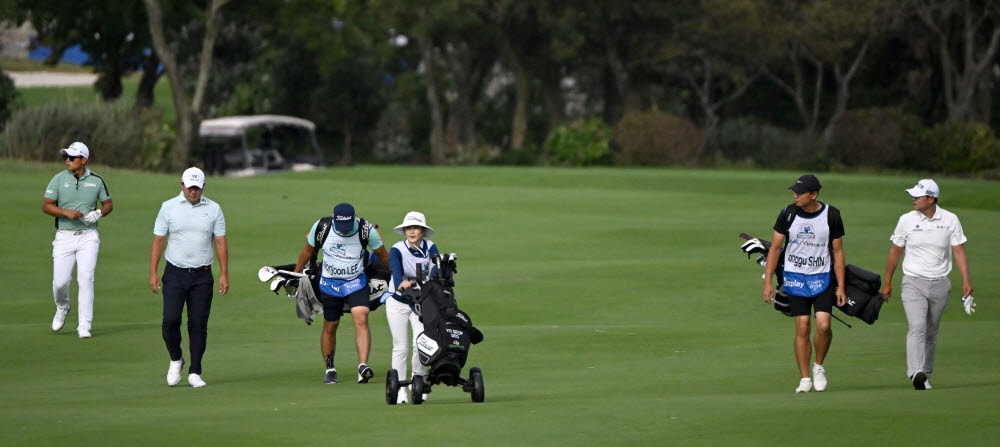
920,381
364,373
331,376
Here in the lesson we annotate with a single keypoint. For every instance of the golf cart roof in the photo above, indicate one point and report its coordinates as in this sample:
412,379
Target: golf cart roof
231,126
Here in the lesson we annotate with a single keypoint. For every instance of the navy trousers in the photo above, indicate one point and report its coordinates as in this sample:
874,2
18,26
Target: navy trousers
193,287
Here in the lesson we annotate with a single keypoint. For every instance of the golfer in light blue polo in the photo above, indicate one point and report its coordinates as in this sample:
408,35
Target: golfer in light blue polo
194,225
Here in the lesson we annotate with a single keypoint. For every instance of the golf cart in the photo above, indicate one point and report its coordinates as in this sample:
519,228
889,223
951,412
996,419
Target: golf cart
257,144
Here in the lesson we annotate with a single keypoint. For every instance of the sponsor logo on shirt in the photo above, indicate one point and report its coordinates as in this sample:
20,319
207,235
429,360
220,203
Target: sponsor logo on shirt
49,191
66,185
807,232
794,283
90,185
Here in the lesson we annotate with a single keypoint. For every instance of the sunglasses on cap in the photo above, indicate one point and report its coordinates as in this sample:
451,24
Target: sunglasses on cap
72,157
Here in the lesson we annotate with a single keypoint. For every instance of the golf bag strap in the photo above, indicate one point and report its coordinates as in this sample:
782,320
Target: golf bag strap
323,231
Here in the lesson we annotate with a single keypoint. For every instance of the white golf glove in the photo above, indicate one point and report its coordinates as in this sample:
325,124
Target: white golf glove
91,217
753,246
970,305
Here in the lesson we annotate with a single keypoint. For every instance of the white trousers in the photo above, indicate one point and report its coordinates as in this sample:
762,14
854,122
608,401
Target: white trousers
71,248
400,315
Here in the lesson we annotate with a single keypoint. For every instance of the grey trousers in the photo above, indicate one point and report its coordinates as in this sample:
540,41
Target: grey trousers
924,301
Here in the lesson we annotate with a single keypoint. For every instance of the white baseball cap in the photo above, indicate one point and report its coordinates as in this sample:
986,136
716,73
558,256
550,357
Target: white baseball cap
193,177
415,219
76,149
925,187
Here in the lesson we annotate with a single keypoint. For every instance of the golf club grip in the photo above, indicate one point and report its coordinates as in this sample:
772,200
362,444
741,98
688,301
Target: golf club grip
745,236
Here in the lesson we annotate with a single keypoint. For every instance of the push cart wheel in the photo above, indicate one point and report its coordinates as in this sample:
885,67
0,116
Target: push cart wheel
418,389
391,387
479,388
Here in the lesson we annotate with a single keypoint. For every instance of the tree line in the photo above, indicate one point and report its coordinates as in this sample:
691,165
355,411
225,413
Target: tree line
440,80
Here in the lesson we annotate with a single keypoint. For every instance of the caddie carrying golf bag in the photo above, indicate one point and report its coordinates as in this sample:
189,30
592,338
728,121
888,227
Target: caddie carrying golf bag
448,334
864,301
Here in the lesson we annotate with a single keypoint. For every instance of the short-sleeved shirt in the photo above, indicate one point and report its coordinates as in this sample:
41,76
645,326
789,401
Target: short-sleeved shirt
808,254
836,223
82,194
190,230
342,254
928,242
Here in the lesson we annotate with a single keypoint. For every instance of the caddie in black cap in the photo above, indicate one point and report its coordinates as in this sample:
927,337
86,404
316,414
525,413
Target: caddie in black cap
806,183
807,247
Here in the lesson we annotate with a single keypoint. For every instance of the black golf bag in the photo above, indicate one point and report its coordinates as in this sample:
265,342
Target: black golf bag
448,333
864,301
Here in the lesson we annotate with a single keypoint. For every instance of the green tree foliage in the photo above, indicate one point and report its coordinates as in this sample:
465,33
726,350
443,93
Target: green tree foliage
580,143
114,34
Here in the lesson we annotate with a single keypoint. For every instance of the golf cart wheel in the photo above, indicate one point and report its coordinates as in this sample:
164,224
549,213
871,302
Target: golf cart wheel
392,387
418,389
479,388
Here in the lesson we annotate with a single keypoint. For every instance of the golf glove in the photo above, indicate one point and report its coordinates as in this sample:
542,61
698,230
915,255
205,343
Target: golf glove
753,246
970,305
91,217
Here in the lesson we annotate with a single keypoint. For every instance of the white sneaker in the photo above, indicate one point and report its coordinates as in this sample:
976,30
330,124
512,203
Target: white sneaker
819,377
401,396
59,320
805,385
83,332
927,384
174,372
195,381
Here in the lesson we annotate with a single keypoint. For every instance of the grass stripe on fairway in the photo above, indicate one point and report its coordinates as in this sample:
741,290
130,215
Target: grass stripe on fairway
616,306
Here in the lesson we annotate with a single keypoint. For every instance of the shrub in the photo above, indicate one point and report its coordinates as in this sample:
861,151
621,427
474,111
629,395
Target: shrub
958,148
657,138
746,141
115,132
580,143
8,97
874,137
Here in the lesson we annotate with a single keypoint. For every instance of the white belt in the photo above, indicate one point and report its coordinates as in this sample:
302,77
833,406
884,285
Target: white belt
76,232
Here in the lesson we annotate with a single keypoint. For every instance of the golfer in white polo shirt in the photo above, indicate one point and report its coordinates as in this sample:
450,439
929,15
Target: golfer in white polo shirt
929,234
72,197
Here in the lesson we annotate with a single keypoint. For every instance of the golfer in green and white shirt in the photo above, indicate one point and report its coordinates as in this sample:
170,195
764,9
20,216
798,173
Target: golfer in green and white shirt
77,198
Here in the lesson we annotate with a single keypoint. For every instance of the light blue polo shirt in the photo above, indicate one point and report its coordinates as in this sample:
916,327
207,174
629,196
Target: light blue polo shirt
190,230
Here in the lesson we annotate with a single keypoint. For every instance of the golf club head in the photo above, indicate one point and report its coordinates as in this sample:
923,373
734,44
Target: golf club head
277,283
266,273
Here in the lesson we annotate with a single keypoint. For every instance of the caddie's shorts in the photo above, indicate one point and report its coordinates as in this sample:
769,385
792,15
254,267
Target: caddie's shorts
333,306
821,303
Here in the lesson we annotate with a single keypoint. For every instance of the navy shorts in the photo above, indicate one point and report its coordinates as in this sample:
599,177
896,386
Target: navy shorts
820,303
333,306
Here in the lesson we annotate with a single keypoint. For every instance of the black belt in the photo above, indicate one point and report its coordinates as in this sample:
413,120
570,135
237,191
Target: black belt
203,268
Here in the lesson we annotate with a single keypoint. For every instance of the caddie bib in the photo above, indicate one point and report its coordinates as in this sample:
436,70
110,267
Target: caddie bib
807,255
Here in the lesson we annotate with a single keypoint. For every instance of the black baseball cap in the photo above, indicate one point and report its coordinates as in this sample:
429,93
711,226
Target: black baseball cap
806,183
343,218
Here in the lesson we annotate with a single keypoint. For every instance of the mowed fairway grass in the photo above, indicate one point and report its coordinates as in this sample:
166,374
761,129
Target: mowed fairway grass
617,309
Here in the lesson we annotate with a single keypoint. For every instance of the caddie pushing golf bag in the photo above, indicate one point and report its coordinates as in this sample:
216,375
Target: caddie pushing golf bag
448,333
862,289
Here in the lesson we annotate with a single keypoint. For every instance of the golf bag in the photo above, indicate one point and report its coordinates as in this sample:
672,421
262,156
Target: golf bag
448,333
864,301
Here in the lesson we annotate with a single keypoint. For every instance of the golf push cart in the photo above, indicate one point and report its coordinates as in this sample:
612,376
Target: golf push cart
444,344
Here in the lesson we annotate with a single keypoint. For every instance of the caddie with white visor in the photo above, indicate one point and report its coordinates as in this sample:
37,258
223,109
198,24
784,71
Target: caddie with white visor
414,219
